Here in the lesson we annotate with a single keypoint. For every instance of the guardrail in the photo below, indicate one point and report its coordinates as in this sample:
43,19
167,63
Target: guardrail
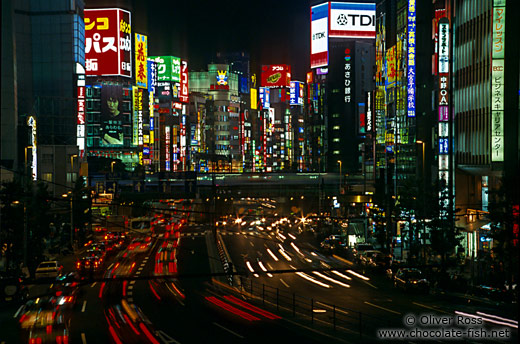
311,310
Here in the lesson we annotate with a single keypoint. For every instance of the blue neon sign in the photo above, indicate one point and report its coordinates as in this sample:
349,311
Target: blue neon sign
411,58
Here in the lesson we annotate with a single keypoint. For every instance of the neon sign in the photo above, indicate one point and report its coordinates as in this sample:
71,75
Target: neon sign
411,58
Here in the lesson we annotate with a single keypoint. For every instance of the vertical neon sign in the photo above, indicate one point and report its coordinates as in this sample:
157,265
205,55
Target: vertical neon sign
411,58
497,81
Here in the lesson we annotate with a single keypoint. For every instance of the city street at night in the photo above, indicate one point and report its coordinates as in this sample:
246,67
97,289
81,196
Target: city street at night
278,171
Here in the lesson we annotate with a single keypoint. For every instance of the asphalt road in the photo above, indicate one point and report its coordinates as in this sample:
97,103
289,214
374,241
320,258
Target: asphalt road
171,288
349,291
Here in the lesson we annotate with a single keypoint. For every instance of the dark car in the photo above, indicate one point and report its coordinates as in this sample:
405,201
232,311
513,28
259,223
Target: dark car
359,248
89,265
410,279
12,288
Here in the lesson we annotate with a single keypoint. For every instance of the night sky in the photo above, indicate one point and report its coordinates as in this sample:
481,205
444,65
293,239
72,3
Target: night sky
273,31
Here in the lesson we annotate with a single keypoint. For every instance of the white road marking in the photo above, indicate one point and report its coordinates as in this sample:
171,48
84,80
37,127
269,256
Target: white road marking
251,243
83,338
130,287
285,284
226,329
130,293
93,284
16,314
132,281
383,308
131,300
428,307
330,307
84,306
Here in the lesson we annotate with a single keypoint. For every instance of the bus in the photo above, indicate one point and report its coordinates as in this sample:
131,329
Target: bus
141,225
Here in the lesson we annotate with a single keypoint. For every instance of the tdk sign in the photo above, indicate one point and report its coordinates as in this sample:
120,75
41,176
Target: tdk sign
352,20
318,35
355,19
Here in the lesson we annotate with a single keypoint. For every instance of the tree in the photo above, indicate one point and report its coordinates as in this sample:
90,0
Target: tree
504,214
11,228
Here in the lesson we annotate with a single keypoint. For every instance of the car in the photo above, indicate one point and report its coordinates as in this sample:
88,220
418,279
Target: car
89,264
361,247
382,261
411,279
48,269
366,258
42,321
12,288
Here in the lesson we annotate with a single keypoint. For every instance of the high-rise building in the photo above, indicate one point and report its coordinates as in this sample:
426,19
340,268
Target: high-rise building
485,108
43,65
342,56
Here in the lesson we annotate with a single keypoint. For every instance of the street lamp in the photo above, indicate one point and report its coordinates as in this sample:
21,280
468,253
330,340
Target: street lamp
422,144
65,195
339,162
112,166
72,161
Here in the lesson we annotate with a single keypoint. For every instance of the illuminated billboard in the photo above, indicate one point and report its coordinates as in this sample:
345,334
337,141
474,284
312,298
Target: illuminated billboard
265,100
276,76
108,42
254,98
168,68
152,75
141,66
296,93
410,73
352,20
319,35
497,81
111,129
183,94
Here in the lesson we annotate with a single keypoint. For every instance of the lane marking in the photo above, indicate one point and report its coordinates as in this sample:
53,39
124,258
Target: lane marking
130,293
331,308
165,338
84,306
130,287
285,284
428,307
83,338
16,314
251,243
93,284
383,308
226,329
132,281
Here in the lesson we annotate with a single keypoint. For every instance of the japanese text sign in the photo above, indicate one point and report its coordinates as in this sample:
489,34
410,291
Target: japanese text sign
108,42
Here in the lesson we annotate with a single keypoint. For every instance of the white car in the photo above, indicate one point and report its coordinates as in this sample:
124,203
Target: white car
48,269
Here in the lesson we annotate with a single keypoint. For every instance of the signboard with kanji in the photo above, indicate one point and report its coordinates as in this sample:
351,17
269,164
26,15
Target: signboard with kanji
108,42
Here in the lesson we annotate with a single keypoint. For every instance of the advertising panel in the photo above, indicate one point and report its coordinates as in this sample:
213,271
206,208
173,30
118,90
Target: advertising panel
444,39
497,81
348,76
254,97
31,122
111,130
108,42
152,75
352,20
183,94
276,76
141,65
135,116
167,152
296,93
410,72
319,35
390,67
369,107
168,68
80,123
362,122
265,99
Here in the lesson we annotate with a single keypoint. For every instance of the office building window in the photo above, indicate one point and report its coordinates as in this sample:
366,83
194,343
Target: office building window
47,177
71,177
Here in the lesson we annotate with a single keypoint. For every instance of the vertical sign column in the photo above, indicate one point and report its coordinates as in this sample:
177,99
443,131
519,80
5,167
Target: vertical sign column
444,117
411,59
497,81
